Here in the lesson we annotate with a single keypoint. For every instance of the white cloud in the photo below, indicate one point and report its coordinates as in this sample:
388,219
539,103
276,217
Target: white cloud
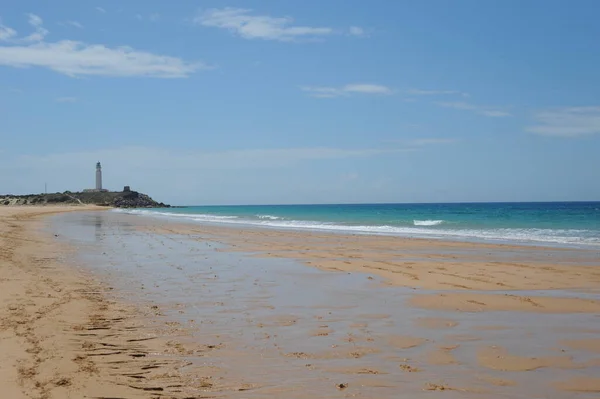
493,113
35,20
358,88
367,89
242,23
422,142
152,17
419,92
481,110
6,33
40,32
432,141
348,177
75,58
100,10
66,99
75,24
357,31
322,92
567,122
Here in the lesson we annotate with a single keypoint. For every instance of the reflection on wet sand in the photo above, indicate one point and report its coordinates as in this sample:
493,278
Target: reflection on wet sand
272,327
98,226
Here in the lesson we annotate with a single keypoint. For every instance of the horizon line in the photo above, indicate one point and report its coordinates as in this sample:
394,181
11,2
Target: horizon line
405,203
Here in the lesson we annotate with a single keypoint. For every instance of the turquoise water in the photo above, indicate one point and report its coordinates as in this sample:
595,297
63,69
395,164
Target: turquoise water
564,223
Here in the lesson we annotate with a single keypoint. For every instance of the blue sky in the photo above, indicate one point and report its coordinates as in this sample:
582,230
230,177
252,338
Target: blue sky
239,102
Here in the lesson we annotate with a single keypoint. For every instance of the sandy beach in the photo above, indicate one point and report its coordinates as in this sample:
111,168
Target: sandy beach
101,304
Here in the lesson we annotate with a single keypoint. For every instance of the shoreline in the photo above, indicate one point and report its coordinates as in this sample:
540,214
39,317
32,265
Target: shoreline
519,236
334,233
493,242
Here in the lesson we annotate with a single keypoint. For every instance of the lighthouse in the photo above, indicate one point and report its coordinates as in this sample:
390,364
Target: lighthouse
98,177
98,181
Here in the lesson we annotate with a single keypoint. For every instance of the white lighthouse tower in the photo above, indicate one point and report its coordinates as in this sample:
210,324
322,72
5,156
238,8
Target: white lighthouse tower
98,177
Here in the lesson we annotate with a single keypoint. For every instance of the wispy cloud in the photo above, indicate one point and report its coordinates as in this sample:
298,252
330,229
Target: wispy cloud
367,89
322,92
349,177
40,32
100,10
241,22
421,142
74,58
432,141
492,112
357,88
6,33
567,122
66,99
419,92
152,17
357,31
77,59
75,24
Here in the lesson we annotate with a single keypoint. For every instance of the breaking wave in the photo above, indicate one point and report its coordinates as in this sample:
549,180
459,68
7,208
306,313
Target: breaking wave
269,217
427,222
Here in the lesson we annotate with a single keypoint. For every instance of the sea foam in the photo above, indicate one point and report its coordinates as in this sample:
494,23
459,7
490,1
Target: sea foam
269,217
427,222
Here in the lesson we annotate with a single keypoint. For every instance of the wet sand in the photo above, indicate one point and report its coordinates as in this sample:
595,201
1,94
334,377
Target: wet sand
417,263
237,313
451,275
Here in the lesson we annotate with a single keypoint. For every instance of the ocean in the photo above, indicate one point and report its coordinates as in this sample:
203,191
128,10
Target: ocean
572,224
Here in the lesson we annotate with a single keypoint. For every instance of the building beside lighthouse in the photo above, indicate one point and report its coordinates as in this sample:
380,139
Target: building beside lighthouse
98,181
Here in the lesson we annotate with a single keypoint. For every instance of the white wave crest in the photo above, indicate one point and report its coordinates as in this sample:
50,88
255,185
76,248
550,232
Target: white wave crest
427,222
269,217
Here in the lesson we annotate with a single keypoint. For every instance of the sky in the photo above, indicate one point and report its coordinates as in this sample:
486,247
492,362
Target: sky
280,101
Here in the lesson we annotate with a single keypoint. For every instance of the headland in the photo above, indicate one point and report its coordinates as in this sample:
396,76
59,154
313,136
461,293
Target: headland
116,199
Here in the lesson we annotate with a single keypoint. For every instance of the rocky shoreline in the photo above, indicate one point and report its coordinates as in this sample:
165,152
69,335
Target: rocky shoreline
124,199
